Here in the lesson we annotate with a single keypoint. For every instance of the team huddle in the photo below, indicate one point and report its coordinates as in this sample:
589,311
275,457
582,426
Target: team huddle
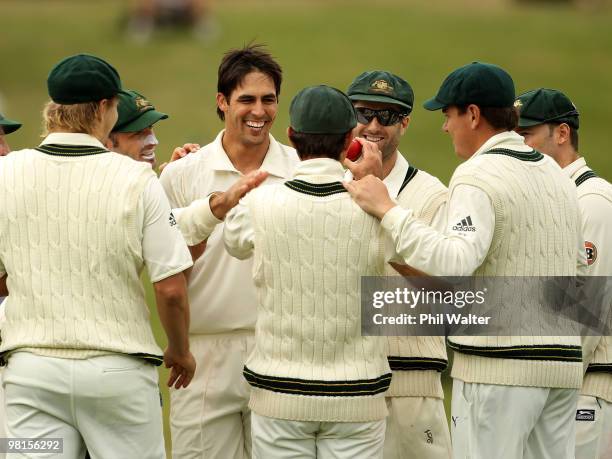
256,250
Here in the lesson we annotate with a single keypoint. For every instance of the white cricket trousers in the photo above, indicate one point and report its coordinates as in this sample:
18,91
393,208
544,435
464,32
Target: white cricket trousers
282,439
593,428
109,405
512,422
417,428
211,418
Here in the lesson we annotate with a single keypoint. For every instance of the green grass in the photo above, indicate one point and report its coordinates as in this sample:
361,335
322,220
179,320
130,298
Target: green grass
319,42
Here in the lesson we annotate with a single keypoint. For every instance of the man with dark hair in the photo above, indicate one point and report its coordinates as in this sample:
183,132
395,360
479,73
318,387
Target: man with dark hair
513,396
212,418
78,225
383,103
549,121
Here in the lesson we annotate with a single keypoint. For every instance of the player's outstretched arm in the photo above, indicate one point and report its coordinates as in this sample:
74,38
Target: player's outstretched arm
173,308
222,203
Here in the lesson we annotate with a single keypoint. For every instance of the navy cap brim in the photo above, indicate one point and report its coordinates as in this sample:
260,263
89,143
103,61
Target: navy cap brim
433,104
9,126
379,98
528,122
141,122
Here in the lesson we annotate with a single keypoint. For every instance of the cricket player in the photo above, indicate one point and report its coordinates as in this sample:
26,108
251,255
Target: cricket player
317,384
78,225
383,103
549,122
133,133
513,397
211,418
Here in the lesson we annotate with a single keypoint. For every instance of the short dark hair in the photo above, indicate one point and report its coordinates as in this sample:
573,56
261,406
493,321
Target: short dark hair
498,117
237,63
573,133
318,145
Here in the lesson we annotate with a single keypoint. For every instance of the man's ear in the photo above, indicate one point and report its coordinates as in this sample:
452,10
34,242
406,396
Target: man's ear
404,124
222,102
290,133
561,134
473,111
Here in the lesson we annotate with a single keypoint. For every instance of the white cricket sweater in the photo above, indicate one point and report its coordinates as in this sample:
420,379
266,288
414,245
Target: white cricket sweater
70,247
416,361
595,202
536,229
312,245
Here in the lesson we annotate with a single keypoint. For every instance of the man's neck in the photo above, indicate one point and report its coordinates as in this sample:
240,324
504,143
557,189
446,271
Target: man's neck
245,158
389,164
566,157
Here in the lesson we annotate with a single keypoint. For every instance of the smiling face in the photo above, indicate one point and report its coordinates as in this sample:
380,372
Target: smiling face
387,138
137,145
250,110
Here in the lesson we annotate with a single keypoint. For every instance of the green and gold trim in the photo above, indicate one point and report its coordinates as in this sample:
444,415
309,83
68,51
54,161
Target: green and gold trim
410,174
416,363
584,177
599,368
315,189
556,352
320,388
530,156
156,360
70,150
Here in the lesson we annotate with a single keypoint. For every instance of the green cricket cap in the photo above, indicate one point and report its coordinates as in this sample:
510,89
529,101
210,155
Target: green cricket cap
9,126
322,110
546,106
380,86
82,78
136,113
485,85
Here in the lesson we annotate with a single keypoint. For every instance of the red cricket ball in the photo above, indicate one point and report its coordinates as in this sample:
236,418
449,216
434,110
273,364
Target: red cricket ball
354,150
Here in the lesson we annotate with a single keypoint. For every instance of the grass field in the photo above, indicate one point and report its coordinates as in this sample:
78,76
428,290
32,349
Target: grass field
320,42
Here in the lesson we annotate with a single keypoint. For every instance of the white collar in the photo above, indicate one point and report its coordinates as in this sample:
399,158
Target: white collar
575,168
507,139
396,177
276,161
72,138
319,170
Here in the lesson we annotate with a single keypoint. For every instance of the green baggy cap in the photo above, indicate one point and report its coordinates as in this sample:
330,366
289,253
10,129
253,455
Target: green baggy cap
322,110
546,106
381,86
136,113
9,126
82,78
485,85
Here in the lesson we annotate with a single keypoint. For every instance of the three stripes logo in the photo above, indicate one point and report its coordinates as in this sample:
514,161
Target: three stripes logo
465,225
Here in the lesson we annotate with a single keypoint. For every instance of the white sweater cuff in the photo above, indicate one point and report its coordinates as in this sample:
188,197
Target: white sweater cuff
393,217
197,221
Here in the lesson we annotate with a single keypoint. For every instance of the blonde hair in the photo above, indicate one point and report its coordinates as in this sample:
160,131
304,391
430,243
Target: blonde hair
71,118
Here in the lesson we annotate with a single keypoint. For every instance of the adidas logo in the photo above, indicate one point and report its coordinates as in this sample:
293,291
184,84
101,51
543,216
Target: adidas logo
465,225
